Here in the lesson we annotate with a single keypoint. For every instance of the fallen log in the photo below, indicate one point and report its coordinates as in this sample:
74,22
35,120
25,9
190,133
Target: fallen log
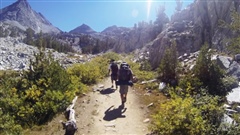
70,126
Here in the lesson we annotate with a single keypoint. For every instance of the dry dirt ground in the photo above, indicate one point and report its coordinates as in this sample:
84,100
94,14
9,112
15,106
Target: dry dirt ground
98,113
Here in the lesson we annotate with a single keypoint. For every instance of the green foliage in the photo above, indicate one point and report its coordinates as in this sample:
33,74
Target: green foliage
233,44
145,66
46,41
37,95
3,32
211,110
29,36
169,64
45,88
209,73
188,116
8,126
190,85
235,25
228,83
87,73
111,55
141,73
41,40
178,116
92,45
93,71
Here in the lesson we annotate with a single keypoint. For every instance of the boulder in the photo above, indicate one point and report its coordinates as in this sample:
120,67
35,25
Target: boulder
224,61
233,96
237,57
234,70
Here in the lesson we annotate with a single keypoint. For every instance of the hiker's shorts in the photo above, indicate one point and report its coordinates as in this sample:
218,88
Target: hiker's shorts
123,89
113,77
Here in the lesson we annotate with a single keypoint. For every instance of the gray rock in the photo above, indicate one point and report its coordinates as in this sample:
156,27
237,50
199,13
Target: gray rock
228,120
162,86
17,56
226,106
234,70
237,57
233,96
238,108
224,61
230,111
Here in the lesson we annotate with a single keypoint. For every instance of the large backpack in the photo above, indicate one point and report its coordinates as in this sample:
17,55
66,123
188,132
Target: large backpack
114,68
124,72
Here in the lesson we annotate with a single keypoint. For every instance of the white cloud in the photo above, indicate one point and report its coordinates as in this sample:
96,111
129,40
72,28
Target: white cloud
134,13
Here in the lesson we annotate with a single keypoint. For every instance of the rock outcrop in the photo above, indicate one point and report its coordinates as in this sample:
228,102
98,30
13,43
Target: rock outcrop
194,26
15,55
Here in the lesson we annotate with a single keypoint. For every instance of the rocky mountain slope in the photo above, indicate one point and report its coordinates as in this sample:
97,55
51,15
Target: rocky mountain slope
83,29
21,15
15,55
194,26
190,28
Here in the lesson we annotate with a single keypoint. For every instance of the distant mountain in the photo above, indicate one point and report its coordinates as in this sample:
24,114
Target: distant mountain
83,29
21,15
114,30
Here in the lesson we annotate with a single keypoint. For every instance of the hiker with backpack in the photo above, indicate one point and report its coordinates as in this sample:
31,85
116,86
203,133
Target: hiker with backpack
113,68
125,77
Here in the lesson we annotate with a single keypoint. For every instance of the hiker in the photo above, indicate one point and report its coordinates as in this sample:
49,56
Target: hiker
113,68
125,77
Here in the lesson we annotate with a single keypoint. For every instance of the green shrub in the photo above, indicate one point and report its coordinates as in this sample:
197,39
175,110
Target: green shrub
87,73
178,117
142,75
8,126
188,116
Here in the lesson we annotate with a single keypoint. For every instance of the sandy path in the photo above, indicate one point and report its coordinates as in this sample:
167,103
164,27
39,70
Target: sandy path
93,118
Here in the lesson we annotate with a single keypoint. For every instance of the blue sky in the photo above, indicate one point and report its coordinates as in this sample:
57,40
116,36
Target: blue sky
98,14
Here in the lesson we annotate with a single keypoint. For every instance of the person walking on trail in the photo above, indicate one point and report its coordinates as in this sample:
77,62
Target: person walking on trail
113,68
125,78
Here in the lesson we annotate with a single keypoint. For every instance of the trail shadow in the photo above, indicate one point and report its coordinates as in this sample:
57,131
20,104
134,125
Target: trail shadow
113,113
107,91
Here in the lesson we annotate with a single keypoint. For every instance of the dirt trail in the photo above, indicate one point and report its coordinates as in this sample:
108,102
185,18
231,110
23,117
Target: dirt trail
94,119
99,113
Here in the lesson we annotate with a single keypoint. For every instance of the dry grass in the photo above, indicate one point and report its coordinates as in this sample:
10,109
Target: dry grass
54,127
148,97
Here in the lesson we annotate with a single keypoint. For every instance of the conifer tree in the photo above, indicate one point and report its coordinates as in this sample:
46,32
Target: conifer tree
169,64
29,36
208,72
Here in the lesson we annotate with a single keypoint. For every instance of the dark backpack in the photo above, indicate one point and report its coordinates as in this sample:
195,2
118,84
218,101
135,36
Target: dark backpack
124,72
114,68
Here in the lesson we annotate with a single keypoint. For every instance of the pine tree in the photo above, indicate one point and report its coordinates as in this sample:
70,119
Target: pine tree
208,72
29,36
169,64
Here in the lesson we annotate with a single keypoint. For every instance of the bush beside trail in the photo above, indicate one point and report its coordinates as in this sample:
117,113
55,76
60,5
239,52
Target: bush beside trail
35,96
